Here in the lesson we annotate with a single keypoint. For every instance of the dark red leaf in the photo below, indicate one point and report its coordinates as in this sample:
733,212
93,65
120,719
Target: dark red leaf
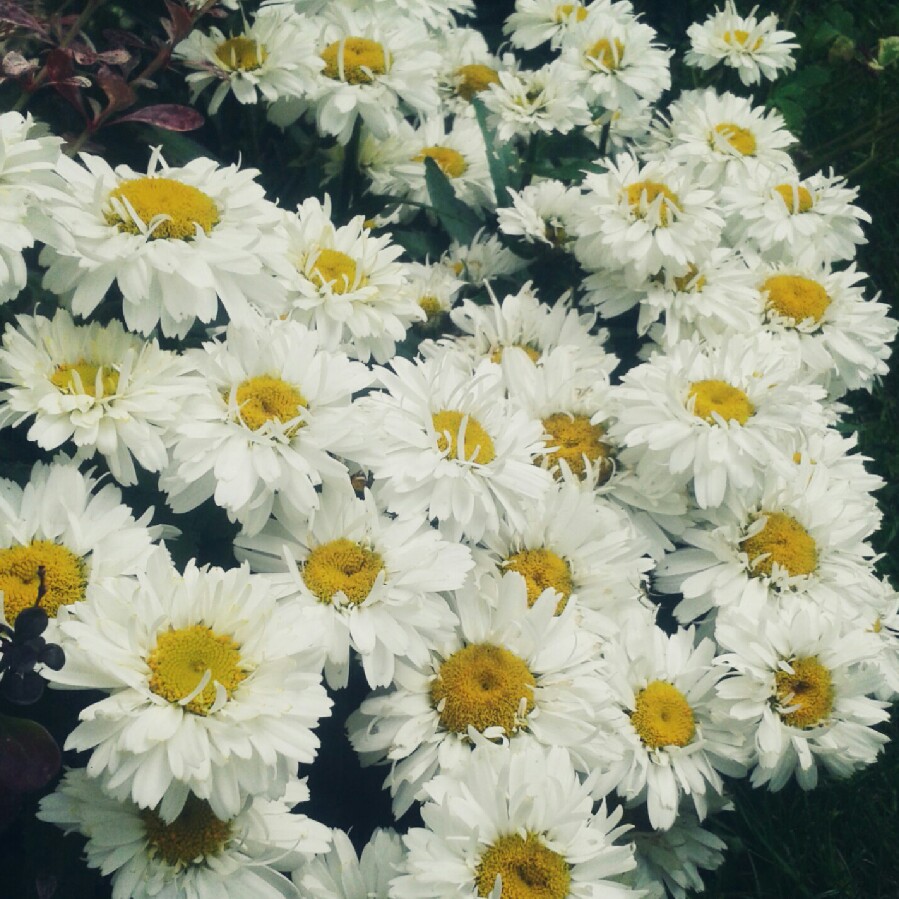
29,756
11,11
169,116
118,92
181,24
15,65
58,66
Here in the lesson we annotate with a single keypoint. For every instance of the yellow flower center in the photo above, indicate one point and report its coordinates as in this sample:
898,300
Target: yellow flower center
577,440
527,868
607,53
24,569
187,659
808,691
740,139
796,197
642,194
483,685
565,11
739,38
196,834
241,54
267,398
474,444
81,377
431,306
473,79
184,207
795,297
689,282
718,396
335,269
496,354
662,716
782,540
355,60
342,566
541,569
451,162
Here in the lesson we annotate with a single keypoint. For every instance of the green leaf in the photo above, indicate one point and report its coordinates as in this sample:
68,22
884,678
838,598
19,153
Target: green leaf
457,219
887,51
501,163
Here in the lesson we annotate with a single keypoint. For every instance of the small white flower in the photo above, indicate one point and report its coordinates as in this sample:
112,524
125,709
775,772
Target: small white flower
544,213
484,259
535,22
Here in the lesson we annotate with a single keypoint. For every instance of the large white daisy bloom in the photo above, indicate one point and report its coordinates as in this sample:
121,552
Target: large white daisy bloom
198,853
214,688
108,391
515,822
434,287
754,47
535,22
799,683
467,69
274,410
512,671
369,582
543,213
438,14
174,240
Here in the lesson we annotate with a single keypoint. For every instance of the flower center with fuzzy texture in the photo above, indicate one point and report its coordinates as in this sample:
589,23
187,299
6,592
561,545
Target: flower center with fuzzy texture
336,270
795,297
711,396
342,566
782,540
195,835
642,194
740,38
691,281
355,60
451,162
473,79
241,54
577,440
662,716
483,685
25,570
541,569
183,207
195,664
454,428
808,691
81,377
496,354
740,139
267,398
431,306
527,868
607,53
796,197
566,11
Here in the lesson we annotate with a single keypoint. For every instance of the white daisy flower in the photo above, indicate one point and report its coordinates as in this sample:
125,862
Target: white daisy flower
274,409
196,854
175,241
63,536
484,259
800,684
437,14
883,609
514,670
271,58
515,823
109,391
214,688
543,213
369,582
434,287
754,47
535,22
621,131
467,69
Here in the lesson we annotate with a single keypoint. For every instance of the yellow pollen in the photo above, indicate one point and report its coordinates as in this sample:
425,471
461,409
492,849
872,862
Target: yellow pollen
555,234
877,627
181,659
81,377
22,568
740,139
607,53
355,60
564,11
689,282
718,396
431,306
795,297
542,568
477,445
796,197
185,206
196,834
451,162
662,716
335,269
342,566
483,685
576,440
738,37
473,79
496,354
782,540
527,868
241,54
809,689
267,398
642,194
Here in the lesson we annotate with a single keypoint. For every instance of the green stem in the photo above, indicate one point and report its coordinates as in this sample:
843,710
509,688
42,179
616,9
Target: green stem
530,159
349,172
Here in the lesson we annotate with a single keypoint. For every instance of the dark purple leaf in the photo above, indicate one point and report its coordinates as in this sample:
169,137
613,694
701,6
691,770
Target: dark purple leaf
29,756
15,65
11,11
118,92
181,23
169,116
